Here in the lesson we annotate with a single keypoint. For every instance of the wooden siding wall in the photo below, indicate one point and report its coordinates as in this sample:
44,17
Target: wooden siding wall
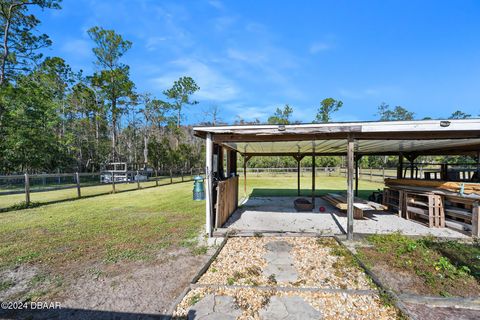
227,200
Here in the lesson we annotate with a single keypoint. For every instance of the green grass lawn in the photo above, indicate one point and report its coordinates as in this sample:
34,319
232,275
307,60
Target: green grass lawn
109,228
258,185
8,201
126,225
286,185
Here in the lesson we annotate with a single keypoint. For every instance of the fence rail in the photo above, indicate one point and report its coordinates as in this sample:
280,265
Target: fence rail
363,174
28,189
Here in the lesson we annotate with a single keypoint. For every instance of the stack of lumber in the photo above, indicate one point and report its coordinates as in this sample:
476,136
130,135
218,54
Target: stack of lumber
468,187
451,204
359,205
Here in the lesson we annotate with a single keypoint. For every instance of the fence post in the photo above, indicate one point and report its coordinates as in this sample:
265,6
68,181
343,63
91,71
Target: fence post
383,173
181,172
156,177
113,182
27,189
191,173
371,174
138,180
77,178
171,176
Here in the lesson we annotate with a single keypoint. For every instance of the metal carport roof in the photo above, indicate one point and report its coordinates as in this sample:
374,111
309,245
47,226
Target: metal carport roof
381,137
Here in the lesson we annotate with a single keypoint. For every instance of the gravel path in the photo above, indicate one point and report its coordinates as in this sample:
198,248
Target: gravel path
283,278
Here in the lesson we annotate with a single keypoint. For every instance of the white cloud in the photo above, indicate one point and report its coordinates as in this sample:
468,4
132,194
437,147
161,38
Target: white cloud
266,64
216,4
317,47
377,91
214,86
251,57
249,113
253,113
78,48
153,43
224,23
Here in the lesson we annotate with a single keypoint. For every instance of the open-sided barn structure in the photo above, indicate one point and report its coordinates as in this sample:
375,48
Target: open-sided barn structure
405,139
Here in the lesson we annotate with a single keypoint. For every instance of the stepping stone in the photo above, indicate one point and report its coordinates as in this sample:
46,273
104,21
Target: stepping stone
279,261
214,308
291,308
278,246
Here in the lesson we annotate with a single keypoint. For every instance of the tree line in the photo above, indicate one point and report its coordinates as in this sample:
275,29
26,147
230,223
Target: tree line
55,119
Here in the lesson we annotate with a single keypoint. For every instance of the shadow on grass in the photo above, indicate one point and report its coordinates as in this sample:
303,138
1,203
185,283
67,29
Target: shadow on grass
263,192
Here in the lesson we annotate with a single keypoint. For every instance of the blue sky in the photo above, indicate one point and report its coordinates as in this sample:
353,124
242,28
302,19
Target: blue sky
250,57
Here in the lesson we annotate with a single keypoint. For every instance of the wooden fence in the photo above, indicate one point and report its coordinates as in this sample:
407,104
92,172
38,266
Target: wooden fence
227,200
370,174
22,184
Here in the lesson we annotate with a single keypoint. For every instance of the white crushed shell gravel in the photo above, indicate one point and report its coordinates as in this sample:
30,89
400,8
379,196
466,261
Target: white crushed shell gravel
241,262
333,306
319,262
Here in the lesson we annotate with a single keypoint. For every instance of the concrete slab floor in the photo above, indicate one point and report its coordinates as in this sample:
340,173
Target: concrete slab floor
279,214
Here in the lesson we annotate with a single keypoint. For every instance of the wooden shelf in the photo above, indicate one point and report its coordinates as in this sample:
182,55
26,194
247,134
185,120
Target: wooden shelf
441,208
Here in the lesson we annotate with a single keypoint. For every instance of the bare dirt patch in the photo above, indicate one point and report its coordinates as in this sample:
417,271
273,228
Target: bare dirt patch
427,267
428,313
126,289
412,266
15,282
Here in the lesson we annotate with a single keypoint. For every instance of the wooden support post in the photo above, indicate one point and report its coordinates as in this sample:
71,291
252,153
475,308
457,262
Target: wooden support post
245,160
350,164
357,161
219,169
156,177
171,176
299,159
478,166
234,162
181,172
313,179
400,166
411,158
402,210
138,180
113,182
229,163
245,176
298,177
444,172
476,220
77,180
209,184
27,190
